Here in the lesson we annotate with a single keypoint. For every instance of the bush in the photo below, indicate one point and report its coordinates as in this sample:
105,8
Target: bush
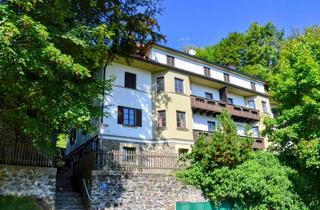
18,203
261,182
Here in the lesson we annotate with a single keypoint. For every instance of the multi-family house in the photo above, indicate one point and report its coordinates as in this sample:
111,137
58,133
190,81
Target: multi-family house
163,98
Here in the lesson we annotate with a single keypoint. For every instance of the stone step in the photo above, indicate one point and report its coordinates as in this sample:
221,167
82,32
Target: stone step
79,202
69,207
63,184
68,199
64,189
69,194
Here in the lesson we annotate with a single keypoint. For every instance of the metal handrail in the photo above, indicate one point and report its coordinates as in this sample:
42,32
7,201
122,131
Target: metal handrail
86,190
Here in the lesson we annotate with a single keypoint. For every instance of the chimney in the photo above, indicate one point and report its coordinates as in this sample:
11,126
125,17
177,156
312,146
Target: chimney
230,66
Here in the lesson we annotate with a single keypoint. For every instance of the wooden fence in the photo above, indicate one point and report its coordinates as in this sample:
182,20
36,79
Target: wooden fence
23,154
144,162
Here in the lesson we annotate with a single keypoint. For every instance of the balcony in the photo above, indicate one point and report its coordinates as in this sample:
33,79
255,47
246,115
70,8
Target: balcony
258,143
238,113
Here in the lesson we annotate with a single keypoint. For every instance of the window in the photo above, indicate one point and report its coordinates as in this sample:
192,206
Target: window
129,154
130,80
178,85
253,86
73,134
208,95
182,151
181,119
251,104
170,60
211,126
264,107
226,77
129,116
162,119
160,84
206,71
255,132
230,101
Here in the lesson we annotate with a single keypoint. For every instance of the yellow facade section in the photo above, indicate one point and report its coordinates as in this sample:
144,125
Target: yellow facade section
171,102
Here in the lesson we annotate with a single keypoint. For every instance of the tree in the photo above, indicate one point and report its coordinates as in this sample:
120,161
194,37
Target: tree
51,52
224,166
260,182
223,147
297,89
255,51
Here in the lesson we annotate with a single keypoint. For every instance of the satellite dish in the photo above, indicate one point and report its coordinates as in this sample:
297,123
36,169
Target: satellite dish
192,52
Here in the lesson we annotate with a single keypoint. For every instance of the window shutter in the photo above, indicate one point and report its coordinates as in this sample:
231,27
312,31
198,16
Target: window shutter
134,81
139,117
120,115
126,80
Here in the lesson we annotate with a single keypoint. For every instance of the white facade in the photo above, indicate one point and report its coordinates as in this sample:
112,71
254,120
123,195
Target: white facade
200,90
237,99
197,67
139,98
200,123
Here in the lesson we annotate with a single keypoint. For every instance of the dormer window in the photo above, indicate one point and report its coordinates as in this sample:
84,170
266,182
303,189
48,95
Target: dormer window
206,71
226,77
170,60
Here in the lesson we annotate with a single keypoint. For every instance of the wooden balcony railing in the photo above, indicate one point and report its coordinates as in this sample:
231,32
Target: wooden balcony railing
211,106
143,162
258,143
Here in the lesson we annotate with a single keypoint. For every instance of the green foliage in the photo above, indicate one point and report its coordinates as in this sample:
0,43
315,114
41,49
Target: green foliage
261,182
18,203
51,52
255,51
221,148
62,141
297,89
224,166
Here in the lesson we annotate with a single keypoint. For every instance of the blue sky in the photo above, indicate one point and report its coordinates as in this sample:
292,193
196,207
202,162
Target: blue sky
205,22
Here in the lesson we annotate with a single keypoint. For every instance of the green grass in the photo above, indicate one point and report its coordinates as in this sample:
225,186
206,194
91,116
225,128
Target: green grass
18,203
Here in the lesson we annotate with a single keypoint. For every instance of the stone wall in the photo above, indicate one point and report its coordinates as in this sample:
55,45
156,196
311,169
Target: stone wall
140,191
38,182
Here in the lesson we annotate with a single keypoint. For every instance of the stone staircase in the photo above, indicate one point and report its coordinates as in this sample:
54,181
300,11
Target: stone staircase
66,197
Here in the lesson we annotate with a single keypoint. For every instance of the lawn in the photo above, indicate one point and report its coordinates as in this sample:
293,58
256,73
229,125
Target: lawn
19,203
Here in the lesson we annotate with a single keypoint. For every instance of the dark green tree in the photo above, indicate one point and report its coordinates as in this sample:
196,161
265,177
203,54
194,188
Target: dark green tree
256,51
51,52
224,166
224,147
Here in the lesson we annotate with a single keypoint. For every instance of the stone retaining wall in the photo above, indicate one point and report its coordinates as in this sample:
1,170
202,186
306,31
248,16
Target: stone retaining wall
38,182
140,191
